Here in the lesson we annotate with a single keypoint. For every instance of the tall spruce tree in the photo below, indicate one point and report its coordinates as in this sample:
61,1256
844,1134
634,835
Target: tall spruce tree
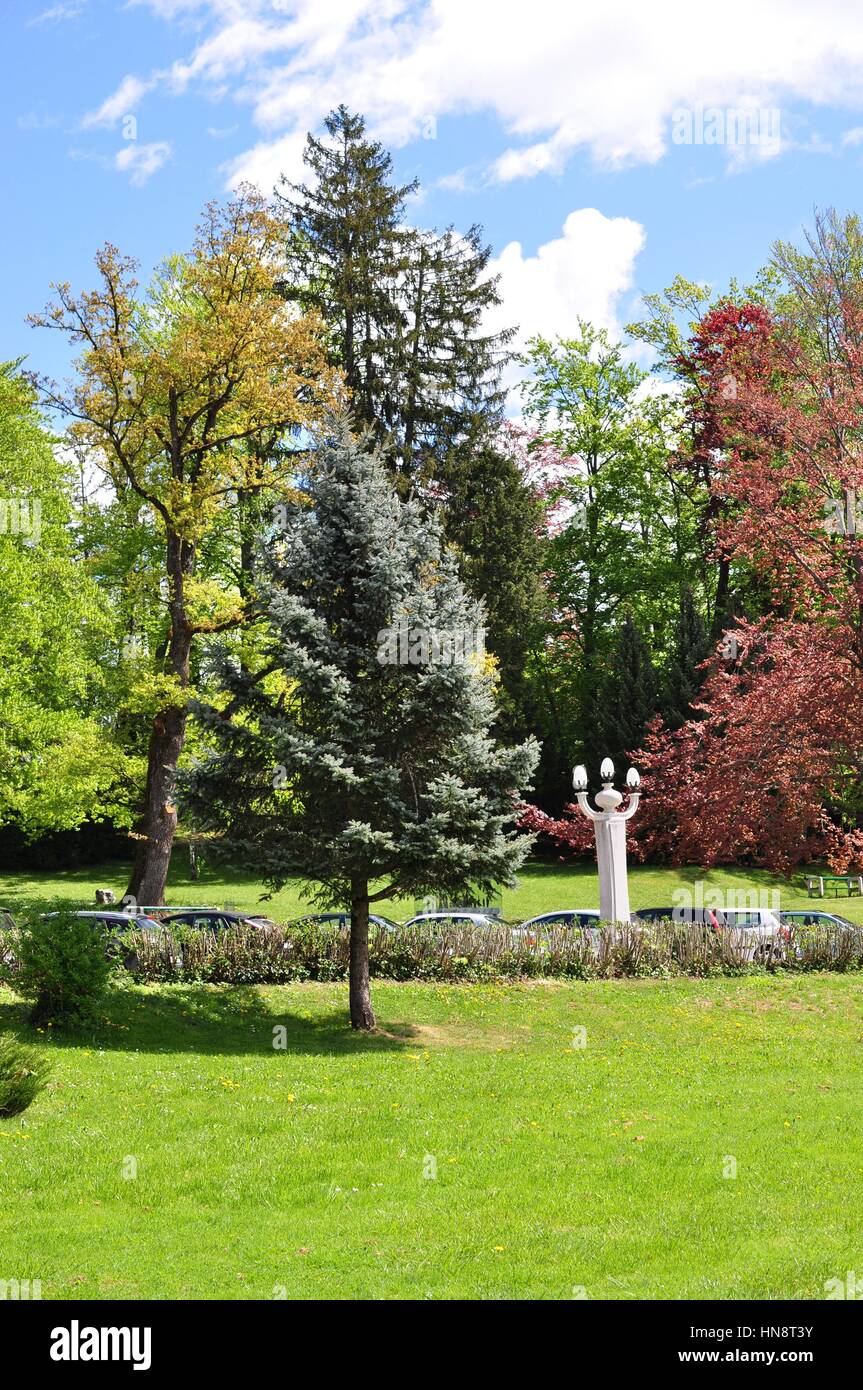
682,677
406,310
349,251
406,307
361,757
629,694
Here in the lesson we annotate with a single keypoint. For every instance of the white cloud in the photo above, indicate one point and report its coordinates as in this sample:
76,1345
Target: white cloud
581,274
266,163
142,161
557,78
120,103
66,9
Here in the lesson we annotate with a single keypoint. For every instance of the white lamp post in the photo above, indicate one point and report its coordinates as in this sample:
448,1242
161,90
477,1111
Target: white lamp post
609,826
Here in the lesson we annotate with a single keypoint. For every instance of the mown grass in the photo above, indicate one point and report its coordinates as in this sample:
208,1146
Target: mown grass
542,888
558,1168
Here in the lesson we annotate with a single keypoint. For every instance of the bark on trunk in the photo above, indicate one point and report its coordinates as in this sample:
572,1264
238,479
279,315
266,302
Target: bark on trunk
167,737
362,1014
153,858
720,602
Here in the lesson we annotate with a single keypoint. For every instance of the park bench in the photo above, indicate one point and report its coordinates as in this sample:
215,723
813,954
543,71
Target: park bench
853,884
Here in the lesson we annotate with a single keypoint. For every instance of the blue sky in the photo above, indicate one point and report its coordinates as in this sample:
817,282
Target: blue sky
571,135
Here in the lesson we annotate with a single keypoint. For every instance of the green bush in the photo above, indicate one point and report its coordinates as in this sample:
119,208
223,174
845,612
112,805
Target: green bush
23,1074
59,961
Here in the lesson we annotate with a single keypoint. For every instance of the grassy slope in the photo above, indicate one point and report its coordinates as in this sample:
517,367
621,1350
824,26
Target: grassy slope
541,888
557,1167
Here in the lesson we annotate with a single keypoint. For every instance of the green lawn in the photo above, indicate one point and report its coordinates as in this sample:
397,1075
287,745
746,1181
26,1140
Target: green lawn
541,888
558,1167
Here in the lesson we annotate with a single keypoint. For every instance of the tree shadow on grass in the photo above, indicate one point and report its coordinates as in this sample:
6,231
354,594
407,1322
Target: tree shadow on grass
228,1020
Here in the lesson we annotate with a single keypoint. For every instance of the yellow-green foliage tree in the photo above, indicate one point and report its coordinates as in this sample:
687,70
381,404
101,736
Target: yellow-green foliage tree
183,397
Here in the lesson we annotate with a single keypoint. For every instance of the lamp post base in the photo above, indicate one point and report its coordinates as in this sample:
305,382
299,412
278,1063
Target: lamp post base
611,859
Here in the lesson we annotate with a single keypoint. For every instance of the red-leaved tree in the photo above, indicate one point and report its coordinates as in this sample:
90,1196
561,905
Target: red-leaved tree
769,769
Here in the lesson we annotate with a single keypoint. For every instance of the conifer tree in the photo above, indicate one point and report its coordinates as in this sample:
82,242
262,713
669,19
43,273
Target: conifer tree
360,757
407,307
683,678
348,253
629,694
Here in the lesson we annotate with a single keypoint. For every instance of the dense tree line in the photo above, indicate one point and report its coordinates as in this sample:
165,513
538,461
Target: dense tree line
662,561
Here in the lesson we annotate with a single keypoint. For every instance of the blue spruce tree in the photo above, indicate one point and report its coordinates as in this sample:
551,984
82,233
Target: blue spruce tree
360,758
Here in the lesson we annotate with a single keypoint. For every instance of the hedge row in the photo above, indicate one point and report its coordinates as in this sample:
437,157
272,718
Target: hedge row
278,955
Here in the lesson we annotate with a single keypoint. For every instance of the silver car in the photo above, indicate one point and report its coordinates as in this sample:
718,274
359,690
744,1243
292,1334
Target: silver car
439,921
576,919
759,928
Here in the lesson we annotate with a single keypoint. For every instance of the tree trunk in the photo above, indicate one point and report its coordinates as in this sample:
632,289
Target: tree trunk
720,601
362,1014
412,375
168,735
153,859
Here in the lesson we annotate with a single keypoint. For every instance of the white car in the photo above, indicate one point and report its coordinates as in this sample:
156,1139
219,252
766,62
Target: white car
342,920
759,927
798,925
441,920
576,919
565,917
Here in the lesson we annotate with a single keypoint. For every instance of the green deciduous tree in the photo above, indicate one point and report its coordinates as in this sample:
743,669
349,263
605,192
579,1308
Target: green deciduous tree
627,530
671,328
182,394
59,763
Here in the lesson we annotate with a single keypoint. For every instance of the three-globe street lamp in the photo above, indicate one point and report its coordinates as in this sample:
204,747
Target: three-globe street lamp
609,827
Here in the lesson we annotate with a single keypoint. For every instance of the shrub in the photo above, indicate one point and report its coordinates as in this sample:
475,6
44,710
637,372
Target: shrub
23,1074
466,952
60,961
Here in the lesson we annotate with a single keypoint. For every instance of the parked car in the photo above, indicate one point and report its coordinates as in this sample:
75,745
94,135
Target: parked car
116,923
114,926
342,920
565,917
804,918
661,914
760,927
212,919
584,920
712,916
439,921
795,926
